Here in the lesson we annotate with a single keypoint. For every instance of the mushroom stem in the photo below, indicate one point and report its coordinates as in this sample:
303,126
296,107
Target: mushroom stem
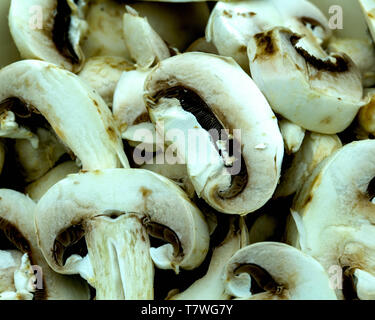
119,251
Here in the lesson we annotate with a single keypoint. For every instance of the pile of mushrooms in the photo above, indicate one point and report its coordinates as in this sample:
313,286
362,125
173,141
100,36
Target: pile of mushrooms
168,150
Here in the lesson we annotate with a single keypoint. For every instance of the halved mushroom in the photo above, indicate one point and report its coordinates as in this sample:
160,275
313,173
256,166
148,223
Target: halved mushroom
38,188
9,52
36,94
102,73
233,24
56,37
318,92
333,216
315,148
276,271
191,99
151,49
211,285
111,211
19,252
293,136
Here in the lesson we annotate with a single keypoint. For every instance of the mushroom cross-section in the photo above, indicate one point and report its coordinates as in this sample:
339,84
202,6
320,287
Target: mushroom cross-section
302,83
333,214
19,252
208,109
49,30
276,271
96,224
38,97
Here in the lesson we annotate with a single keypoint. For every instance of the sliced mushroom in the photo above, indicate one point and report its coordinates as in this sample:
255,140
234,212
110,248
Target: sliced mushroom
280,272
333,216
41,95
56,38
152,49
111,211
211,285
9,52
233,24
18,245
38,188
102,73
320,93
315,148
195,94
368,7
361,51
292,134
364,284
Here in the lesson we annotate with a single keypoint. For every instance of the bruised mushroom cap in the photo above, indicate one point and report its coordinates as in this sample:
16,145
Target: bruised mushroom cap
56,37
77,114
211,88
320,93
157,202
232,24
281,271
333,218
102,73
17,222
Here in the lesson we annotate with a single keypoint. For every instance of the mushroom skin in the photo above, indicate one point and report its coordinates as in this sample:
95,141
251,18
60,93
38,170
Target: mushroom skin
333,216
232,24
318,92
293,135
17,224
81,120
184,93
119,207
281,271
58,38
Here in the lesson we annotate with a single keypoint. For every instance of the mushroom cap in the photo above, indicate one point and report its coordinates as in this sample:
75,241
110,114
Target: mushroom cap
335,216
37,43
77,114
84,196
299,275
237,103
319,93
19,210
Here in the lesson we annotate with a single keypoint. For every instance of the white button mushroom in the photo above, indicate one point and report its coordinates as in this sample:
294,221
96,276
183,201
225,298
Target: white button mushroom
334,216
280,271
56,37
112,211
197,93
18,241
